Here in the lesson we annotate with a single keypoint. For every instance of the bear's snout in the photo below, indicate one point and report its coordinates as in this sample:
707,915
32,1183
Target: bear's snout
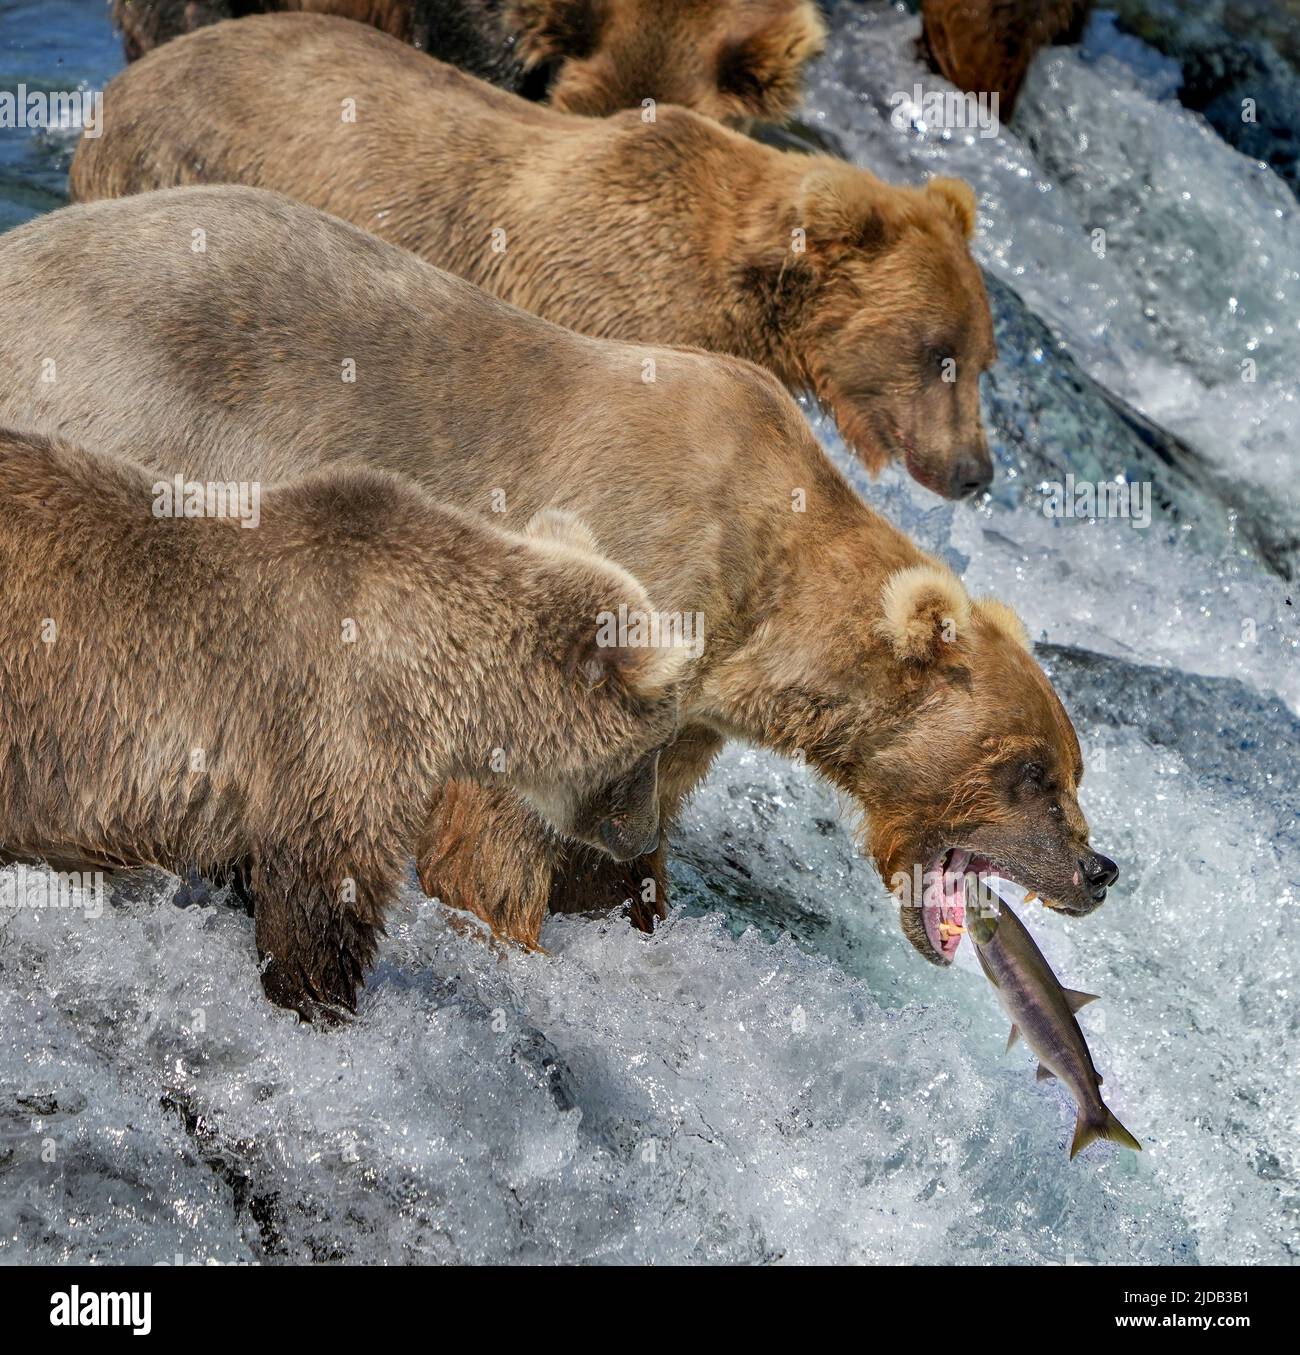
971,474
625,840
1099,873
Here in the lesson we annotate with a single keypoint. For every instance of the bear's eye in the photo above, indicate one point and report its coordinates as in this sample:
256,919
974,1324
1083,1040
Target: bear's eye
1034,774
940,357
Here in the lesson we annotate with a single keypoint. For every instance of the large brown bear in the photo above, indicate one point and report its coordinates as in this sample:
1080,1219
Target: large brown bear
676,231
181,691
733,60
986,46
820,630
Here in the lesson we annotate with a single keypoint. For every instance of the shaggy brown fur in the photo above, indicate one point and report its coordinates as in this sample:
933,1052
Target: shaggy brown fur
706,482
986,46
675,232
733,60
187,692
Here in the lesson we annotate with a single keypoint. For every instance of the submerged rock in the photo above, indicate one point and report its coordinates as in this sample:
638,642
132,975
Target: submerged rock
1235,739
1240,64
1047,418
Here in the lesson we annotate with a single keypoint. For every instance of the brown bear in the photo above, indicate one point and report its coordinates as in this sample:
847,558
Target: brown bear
986,46
733,60
181,691
292,339
675,231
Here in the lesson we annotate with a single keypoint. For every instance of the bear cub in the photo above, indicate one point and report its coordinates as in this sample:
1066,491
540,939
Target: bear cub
181,691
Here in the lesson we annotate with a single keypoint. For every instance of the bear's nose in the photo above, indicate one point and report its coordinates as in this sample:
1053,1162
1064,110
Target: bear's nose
625,841
1099,873
970,475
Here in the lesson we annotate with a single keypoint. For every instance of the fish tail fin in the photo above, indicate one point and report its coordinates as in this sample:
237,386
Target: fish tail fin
1116,1133
1104,1126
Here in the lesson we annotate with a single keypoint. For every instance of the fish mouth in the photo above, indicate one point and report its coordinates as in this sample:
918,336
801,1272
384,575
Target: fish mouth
955,881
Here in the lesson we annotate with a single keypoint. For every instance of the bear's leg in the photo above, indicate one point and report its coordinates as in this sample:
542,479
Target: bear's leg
586,881
483,850
316,930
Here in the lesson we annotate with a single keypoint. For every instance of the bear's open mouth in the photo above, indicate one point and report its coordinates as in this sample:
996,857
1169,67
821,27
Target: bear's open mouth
943,904
953,882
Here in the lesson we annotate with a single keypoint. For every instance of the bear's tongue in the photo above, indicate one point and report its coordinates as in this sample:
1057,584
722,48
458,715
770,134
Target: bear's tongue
943,909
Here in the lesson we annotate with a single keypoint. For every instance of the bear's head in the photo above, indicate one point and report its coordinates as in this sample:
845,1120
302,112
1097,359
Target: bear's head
988,45
608,685
979,772
885,315
928,709
732,60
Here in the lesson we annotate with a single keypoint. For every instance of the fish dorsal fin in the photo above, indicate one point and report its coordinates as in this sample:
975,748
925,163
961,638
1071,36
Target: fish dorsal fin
1077,999
1044,1073
1013,1037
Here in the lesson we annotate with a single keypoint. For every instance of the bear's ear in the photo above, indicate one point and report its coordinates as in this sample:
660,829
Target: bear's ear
923,608
763,71
555,30
644,671
598,664
1002,618
564,528
841,204
957,198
